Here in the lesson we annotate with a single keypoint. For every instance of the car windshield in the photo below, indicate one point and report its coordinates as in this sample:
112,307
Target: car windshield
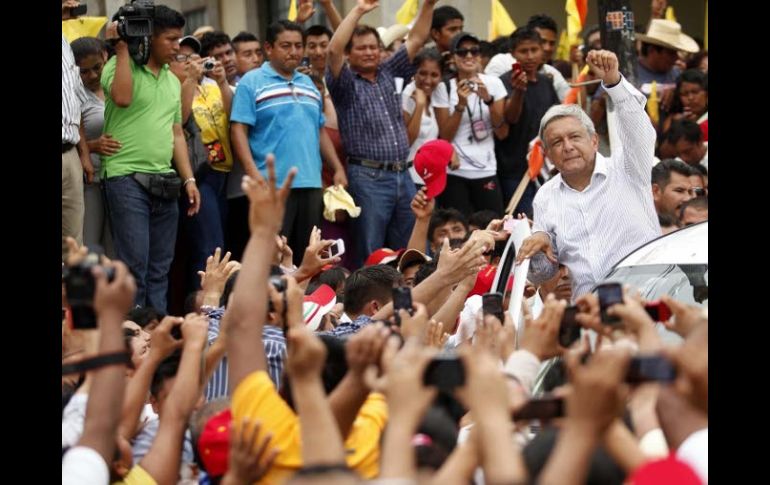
684,282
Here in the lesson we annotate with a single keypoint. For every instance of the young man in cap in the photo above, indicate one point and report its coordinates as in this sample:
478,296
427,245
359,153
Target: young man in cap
530,94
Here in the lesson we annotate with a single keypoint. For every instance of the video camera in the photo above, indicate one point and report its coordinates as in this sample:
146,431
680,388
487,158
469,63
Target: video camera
135,28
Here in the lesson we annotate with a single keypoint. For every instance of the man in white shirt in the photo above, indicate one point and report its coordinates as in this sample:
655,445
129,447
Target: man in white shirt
597,209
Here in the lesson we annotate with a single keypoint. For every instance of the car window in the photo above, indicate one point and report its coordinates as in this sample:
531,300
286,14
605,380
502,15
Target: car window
684,282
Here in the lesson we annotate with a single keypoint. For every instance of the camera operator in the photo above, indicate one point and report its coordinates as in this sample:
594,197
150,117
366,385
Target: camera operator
143,110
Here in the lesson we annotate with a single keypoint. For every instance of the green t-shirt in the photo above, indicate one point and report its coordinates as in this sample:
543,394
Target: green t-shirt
145,127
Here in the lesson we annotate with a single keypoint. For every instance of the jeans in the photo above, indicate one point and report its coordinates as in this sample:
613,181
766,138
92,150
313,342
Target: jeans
205,230
143,232
525,203
386,218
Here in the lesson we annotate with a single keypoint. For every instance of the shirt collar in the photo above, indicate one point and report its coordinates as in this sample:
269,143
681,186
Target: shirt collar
600,167
268,68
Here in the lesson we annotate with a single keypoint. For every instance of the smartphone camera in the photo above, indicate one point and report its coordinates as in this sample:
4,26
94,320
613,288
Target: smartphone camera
650,368
492,304
609,294
445,372
658,311
569,330
305,62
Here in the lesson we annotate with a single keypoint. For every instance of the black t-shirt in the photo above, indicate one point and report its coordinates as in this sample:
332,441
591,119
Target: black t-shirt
511,152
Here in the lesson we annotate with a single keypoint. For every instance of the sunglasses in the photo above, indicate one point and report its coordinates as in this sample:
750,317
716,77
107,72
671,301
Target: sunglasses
474,51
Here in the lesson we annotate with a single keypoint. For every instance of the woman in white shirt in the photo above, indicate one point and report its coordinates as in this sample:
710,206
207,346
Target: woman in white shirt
468,115
419,116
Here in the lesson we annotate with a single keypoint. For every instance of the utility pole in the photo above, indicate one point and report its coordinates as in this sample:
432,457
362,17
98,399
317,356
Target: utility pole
616,21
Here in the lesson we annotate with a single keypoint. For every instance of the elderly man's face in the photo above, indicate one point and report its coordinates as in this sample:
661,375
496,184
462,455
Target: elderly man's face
570,147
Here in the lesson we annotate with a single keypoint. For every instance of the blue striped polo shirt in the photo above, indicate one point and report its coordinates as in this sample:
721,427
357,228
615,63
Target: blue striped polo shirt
284,118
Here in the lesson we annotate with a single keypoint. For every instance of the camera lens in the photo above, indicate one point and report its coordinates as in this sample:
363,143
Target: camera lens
208,65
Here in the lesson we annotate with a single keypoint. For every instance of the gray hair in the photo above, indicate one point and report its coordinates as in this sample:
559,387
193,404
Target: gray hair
562,111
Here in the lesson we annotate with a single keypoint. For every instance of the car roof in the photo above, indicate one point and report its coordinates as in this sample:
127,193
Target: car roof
689,245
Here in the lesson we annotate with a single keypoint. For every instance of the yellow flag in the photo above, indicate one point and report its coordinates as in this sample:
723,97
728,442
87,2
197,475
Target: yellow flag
407,12
670,14
652,104
501,23
562,51
82,27
292,10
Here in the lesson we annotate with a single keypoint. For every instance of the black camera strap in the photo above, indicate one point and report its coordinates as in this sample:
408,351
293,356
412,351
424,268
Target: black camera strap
86,365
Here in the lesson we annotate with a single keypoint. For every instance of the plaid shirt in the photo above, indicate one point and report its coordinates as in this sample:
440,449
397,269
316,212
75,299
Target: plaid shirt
275,353
370,119
345,330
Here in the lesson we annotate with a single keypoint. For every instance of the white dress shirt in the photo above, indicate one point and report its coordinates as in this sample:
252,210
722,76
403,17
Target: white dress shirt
593,229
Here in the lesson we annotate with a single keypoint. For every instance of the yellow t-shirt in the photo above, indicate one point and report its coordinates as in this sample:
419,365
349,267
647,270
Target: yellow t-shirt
211,118
256,398
137,476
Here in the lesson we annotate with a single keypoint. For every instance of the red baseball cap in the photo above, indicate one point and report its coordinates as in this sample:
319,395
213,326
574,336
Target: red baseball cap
383,256
214,443
431,163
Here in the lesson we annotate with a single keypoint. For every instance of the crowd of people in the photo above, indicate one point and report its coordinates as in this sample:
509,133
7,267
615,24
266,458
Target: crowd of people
300,183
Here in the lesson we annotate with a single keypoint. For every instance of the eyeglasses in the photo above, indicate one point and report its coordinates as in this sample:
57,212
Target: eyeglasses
474,51
186,57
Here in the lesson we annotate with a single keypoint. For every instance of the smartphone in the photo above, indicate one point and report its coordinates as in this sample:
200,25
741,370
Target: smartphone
445,372
79,10
650,368
305,62
569,331
516,68
492,304
658,311
609,294
543,408
336,249
402,299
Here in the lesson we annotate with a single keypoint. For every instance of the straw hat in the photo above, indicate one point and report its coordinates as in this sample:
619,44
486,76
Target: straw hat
668,33
392,33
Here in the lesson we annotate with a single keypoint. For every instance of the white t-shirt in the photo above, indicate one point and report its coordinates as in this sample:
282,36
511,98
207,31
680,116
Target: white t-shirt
73,420
84,466
428,127
477,158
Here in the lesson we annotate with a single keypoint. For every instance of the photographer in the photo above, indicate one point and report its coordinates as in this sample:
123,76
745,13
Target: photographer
143,111
467,116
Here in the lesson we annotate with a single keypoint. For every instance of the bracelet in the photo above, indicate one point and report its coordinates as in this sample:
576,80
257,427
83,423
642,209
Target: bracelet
191,179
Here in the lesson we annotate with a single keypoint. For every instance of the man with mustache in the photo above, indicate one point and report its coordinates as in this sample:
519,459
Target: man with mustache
278,110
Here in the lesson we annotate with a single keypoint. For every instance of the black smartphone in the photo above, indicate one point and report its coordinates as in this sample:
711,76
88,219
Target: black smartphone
492,304
402,299
569,331
445,372
650,368
609,294
543,408
305,62
79,10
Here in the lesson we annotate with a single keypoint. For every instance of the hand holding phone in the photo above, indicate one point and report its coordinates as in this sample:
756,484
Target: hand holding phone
492,304
609,294
336,249
650,368
445,372
569,330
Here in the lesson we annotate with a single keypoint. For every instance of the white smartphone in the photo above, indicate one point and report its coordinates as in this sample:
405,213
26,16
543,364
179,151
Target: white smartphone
336,249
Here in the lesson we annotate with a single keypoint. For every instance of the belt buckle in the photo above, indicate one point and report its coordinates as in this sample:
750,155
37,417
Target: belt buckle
398,166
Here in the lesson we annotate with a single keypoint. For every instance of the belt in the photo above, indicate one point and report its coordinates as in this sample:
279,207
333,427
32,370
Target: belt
65,147
399,166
